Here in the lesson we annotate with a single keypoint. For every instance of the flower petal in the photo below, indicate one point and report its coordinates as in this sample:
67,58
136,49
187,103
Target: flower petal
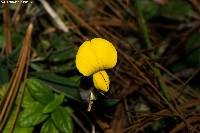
105,52
101,81
95,55
86,60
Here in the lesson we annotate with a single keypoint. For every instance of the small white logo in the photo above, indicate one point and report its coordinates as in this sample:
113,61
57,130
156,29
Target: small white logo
15,1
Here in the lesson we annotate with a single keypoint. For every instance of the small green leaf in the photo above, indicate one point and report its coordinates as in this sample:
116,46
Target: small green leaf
40,91
32,116
62,119
50,107
49,127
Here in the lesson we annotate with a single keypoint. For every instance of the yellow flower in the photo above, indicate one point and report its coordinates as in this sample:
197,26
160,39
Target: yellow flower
93,57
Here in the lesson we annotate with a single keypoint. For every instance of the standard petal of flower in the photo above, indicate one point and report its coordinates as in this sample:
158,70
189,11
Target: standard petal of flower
105,52
86,61
95,55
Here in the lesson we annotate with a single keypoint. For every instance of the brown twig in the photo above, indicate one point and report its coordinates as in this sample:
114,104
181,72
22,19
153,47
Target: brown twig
16,78
66,4
7,29
54,16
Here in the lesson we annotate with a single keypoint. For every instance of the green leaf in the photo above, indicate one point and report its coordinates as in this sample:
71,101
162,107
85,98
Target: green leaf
23,129
62,55
27,100
17,128
39,67
69,92
49,127
32,116
54,78
62,119
68,86
50,107
60,41
75,79
177,9
40,91
64,67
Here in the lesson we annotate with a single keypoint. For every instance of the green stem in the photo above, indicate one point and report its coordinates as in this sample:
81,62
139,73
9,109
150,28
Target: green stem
145,33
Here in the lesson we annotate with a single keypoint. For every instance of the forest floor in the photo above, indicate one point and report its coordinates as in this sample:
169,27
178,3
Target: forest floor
153,88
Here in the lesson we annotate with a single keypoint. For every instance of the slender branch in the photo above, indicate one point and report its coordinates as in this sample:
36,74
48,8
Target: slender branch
60,24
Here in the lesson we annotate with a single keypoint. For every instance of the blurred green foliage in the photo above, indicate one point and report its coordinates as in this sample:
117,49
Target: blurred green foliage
81,4
1,37
193,50
177,9
174,9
